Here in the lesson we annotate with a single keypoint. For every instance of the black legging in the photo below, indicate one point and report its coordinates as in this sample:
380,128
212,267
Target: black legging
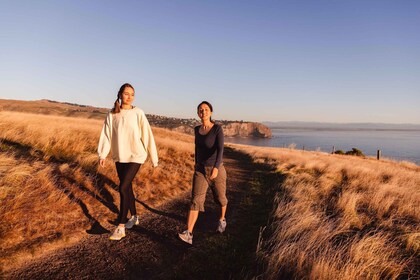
126,173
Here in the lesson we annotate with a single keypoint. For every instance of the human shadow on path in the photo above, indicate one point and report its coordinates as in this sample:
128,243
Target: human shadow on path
30,155
160,212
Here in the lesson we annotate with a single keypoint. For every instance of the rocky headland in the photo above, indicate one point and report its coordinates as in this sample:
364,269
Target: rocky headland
230,128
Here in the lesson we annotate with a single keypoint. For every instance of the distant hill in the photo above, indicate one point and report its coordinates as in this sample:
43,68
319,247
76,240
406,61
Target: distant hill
50,107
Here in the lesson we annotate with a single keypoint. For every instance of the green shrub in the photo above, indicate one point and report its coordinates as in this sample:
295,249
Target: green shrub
355,152
352,152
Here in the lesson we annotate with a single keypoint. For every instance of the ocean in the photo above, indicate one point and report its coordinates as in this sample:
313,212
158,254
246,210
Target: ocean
397,144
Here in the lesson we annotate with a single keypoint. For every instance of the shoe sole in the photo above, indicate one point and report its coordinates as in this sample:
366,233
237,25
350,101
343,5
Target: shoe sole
186,241
116,238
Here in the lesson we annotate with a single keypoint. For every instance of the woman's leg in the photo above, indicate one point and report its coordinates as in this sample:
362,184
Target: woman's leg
121,173
132,203
198,197
219,191
192,219
199,191
126,173
219,194
223,212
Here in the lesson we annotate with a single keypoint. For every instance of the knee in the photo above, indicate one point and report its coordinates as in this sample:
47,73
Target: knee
125,188
222,200
197,203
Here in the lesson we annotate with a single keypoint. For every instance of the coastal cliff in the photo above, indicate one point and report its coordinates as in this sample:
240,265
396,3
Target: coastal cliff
246,129
230,128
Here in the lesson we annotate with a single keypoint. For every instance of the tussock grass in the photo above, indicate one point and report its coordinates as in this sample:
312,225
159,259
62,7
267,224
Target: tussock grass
34,210
339,217
53,193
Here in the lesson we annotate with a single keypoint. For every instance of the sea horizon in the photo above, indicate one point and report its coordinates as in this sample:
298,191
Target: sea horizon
401,144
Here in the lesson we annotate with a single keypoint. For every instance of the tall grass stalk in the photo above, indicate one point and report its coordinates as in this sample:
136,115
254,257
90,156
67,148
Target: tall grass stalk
340,217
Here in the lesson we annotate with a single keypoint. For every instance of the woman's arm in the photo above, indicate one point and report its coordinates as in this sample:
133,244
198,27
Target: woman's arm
148,139
220,142
104,145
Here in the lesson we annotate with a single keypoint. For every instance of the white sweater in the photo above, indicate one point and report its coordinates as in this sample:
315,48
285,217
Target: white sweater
129,136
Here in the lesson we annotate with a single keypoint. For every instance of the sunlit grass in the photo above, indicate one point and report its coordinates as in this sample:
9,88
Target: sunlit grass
53,191
341,217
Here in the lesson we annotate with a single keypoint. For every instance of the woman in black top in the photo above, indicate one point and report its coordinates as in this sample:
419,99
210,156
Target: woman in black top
209,170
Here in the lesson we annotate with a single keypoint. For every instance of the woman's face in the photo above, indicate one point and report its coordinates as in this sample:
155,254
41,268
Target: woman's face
127,97
204,112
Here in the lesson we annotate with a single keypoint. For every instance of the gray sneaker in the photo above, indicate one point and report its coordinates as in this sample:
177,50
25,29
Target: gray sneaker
134,220
186,236
222,226
118,234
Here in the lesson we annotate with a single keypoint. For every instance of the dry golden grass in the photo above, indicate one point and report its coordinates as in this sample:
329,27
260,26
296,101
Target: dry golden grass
47,107
342,217
53,191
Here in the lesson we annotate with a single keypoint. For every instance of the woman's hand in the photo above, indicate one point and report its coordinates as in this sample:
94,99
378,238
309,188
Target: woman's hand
214,173
102,162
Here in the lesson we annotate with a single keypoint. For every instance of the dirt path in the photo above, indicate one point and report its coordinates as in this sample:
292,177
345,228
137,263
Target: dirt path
152,250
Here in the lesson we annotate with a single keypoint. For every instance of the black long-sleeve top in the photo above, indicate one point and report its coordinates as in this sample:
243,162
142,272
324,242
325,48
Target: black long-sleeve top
209,147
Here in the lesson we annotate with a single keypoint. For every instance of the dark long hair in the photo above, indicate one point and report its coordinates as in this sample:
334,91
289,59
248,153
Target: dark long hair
117,104
208,104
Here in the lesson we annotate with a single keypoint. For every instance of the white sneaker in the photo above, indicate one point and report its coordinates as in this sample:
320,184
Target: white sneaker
186,236
222,226
118,234
134,220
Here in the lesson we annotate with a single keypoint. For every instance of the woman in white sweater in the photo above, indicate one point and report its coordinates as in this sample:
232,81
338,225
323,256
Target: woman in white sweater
127,134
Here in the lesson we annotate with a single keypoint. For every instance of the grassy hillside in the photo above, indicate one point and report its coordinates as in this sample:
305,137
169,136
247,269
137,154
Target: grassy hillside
52,190
334,217
341,217
48,107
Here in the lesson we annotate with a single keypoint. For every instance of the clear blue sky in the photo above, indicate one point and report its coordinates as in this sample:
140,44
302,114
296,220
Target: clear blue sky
334,61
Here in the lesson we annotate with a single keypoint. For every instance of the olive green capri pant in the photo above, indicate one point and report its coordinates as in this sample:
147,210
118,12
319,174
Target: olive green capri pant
201,182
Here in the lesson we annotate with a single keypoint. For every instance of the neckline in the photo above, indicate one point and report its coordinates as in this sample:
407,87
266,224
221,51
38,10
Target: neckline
132,107
207,131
